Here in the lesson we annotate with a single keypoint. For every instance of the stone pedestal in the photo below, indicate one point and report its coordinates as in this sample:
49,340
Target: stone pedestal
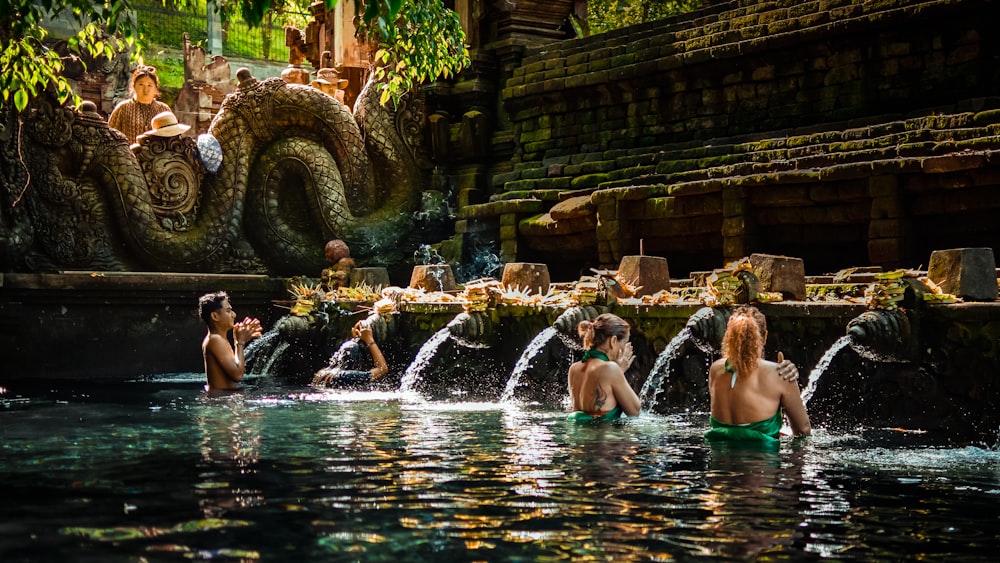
969,273
649,273
433,277
535,277
780,273
374,277
295,74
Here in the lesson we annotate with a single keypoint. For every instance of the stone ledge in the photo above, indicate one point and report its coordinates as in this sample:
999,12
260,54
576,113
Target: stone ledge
493,209
138,281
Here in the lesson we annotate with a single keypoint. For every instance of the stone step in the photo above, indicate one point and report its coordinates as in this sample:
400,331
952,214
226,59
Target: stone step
547,195
714,25
824,152
654,45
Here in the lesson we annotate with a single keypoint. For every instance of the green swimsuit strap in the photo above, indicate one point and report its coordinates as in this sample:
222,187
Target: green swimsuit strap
594,353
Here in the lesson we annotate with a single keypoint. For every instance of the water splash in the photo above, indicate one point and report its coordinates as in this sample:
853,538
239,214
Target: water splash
259,352
275,356
653,386
527,361
824,363
414,373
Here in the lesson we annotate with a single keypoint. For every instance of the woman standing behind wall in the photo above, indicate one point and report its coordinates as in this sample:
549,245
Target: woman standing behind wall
134,116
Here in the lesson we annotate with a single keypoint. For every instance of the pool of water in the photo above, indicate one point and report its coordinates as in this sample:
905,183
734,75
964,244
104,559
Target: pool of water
153,470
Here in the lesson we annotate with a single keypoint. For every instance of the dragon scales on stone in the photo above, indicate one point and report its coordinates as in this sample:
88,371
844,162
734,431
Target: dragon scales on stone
298,169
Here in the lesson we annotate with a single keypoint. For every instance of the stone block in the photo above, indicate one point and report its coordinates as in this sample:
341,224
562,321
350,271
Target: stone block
886,208
780,273
470,196
886,251
534,277
573,207
969,273
734,226
433,277
650,273
545,225
508,250
376,277
884,228
734,247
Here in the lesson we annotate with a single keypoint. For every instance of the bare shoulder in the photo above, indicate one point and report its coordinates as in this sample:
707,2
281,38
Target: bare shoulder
214,344
717,367
609,369
768,367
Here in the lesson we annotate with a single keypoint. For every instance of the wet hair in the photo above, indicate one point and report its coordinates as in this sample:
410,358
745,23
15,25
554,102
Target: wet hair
597,332
143,71
743,343
209,303
351,356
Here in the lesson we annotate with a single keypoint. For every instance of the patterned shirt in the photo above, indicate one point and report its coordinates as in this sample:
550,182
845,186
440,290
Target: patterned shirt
133,118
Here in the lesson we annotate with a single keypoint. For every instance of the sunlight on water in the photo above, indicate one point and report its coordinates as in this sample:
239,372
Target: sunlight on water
821,366
156,467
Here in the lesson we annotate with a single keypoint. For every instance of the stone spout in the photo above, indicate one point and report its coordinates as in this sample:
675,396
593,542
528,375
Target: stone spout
470,326
882,335
570,319
708,325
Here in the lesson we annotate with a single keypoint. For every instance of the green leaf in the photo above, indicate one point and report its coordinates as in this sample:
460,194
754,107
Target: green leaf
20,100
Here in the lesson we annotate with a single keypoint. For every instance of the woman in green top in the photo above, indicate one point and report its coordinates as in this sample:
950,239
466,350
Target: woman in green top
747,394
597,384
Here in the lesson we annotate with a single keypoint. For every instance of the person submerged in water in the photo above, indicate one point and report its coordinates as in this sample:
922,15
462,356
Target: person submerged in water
747,392
225,365
343,373
597,384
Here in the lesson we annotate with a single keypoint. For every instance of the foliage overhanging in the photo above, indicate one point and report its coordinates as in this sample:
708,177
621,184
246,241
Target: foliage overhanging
413,41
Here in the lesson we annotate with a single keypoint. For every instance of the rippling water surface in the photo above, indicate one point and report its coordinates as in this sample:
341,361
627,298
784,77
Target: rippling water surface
155,471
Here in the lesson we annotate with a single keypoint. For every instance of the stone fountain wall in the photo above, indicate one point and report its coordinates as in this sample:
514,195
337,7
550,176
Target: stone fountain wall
845,133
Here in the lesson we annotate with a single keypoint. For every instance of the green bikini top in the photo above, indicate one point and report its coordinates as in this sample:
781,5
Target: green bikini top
594,353
732,370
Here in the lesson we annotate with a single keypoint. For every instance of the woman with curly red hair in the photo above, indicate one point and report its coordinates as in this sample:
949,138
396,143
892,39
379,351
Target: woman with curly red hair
747,394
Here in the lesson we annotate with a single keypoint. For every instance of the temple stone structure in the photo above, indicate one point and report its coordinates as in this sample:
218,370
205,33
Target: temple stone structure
207,81
839,132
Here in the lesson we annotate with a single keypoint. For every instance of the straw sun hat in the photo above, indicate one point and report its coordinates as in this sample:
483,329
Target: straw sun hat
165,125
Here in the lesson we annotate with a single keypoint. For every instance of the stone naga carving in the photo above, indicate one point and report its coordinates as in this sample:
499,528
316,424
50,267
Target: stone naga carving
298,169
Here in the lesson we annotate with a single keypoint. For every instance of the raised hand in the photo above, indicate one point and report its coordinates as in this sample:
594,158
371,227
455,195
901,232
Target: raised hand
363,330
625,357
247,329
786,369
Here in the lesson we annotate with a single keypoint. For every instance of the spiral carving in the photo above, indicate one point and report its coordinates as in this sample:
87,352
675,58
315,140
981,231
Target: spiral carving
298,169
173,174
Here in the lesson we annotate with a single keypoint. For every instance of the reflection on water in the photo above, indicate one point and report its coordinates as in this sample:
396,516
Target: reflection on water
156,471
230,445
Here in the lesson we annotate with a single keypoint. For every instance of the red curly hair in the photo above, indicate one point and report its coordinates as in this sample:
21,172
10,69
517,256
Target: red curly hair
743,344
